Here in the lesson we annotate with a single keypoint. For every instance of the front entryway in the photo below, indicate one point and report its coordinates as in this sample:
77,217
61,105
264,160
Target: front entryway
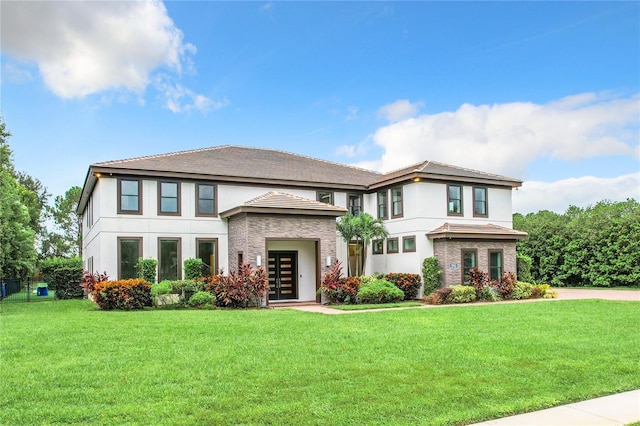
283,273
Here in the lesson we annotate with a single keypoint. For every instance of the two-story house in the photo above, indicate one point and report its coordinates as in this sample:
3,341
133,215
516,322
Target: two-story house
230,205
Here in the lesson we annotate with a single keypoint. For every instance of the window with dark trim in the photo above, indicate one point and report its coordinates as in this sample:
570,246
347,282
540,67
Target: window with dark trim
396,202
90,264
480,201
325,197
90,212
169,198
469,261
129,251
495,264
382,205
130,196
169,259
207,251
378,246
355,204
409,244
454,200
392,245
206,200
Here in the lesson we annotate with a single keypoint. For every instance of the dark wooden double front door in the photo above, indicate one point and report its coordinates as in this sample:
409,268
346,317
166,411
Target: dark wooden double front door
283,275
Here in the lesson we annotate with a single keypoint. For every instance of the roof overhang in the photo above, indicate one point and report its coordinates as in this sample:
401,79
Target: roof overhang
475,232
280,211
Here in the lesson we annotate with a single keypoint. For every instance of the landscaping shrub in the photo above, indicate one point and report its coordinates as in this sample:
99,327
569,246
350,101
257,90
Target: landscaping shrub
202,299
438,297
89,281
350,286
479,280
462,294
539,290
379,291
122,294
521,290
50,265
147,269
185,289
490,294
408,283
339,289
193,269
67,282
246,288
431,274
505,285
550,294
523,267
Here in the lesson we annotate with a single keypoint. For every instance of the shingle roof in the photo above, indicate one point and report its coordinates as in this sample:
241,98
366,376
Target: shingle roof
278,202
454,230
254,163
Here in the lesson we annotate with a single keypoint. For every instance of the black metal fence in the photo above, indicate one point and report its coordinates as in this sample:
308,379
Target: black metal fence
24,290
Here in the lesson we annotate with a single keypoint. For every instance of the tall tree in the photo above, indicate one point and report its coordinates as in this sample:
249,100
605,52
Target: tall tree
362,229
65,239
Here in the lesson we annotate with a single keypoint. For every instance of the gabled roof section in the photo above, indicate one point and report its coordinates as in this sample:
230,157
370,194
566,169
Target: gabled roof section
432,170
237,163
488,231
281,203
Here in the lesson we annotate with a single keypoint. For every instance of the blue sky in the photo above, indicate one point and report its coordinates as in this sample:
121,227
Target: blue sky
547,92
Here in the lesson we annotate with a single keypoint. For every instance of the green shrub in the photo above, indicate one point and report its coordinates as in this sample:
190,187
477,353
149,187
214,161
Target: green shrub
431,274
550,294
339,289
67,282
523,267
50,265
379,291
147,269
202,299
521,291
539,290
193,269
408,283
122,294
490,294
462,294
185,289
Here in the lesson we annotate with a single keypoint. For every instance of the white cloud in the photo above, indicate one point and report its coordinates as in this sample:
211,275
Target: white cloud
582,192
354,150
83,48
352,113
399,110
506,138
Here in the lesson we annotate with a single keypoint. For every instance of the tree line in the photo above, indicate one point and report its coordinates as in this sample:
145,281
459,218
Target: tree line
32,229
594,246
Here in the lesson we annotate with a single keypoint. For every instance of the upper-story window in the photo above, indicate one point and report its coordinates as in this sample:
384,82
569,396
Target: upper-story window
480,202
169,198
382,205
454,200
325,197
206,200
355,204
130,196
90,212
396,202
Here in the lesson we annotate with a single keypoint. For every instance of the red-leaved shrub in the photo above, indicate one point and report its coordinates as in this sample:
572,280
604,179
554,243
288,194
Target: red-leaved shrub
408,283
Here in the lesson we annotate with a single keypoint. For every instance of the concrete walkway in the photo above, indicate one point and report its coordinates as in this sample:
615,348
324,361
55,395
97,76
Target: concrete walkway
619,409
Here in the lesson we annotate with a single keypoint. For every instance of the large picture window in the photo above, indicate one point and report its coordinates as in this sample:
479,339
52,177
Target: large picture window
396,202
169,261
207,251
480,202
206,200
129,251
454,200
382,205
169,198
469,261
129,196
495,264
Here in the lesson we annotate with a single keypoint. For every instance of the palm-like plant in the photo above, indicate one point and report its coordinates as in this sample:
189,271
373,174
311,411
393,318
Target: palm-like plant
363,229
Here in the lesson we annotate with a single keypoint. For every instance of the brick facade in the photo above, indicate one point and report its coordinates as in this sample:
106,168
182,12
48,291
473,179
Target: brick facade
449,254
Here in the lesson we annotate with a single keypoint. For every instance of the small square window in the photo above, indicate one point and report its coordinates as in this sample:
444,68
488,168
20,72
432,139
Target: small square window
392,245
378,246
325,197
409,244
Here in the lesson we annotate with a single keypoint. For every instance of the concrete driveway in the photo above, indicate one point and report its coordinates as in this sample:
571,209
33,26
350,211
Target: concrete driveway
572,293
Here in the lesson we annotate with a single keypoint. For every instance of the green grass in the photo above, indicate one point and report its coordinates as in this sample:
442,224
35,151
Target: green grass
627,288
65,362
406,304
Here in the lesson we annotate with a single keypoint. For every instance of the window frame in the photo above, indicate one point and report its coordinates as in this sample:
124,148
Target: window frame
215,199
393,240
462,252
89,222
385,204
501,253
486,201
377,246
178,255
119,249
353,195
393,202
449,199
408,238
120,195
177,197
329,193
217,246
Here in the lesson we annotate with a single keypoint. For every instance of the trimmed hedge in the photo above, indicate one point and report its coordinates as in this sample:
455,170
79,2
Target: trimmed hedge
379,291
122,294
67,282
462,294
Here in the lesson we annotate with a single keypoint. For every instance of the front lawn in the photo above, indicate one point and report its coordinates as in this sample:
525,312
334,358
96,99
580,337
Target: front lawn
65,362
